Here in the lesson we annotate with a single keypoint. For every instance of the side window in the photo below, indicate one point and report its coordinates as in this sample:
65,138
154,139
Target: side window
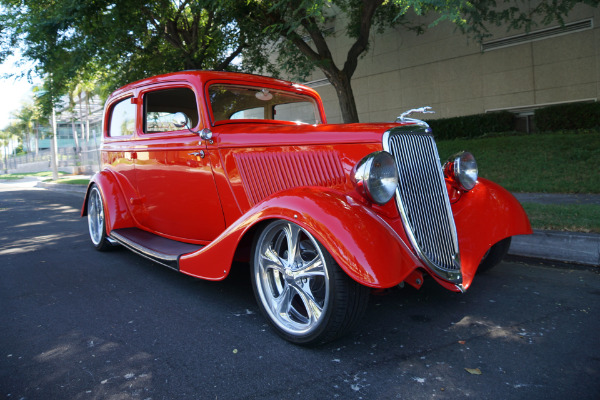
122,119
161,106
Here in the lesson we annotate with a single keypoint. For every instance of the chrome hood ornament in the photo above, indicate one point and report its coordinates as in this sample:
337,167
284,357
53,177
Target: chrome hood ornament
423,110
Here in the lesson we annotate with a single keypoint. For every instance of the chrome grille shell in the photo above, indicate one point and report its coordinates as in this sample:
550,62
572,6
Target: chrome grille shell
422,199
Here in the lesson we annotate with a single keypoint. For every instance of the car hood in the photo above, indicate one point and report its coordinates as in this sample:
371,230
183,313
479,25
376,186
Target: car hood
270,134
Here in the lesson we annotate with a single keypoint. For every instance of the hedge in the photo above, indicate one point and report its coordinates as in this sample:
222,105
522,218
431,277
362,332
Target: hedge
568,116
472,125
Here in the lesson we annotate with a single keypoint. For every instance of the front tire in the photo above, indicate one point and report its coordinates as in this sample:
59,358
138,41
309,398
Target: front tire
300,289
96,221
494,255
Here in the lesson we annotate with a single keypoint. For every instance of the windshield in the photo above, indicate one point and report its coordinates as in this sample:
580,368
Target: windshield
231,102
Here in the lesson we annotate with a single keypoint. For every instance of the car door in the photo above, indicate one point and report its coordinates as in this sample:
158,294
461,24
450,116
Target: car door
118,148
173,172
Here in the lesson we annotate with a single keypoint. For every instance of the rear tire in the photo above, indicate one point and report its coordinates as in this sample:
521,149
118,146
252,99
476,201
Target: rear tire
96,221
494,255
299,287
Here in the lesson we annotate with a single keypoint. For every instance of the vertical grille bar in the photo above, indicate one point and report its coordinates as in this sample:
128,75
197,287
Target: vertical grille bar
422,199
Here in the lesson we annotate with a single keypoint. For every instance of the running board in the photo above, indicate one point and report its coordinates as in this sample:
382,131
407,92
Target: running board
153,247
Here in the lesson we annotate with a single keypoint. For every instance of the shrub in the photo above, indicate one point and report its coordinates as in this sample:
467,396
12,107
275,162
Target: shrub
568,116
472,125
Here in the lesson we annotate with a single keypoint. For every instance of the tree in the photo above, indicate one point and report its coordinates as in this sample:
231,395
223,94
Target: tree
130,39
6,138
25,117
299,29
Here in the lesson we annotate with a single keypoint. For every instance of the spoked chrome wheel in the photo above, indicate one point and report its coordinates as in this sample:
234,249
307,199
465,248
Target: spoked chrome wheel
96,224
298,284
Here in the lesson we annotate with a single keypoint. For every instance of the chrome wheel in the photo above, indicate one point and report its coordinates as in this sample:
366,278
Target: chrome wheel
291,278
299,287
95,214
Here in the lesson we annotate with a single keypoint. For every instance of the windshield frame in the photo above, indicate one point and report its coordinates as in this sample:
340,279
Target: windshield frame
254,88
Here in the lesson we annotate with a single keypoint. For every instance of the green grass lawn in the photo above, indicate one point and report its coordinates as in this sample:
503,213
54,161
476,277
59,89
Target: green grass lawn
24,174
564,217
72,181
550,163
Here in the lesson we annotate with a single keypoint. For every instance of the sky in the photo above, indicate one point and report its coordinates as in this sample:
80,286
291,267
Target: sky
13,93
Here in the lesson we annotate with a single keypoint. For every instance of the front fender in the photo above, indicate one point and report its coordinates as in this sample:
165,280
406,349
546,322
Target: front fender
484,216
360,241
116,212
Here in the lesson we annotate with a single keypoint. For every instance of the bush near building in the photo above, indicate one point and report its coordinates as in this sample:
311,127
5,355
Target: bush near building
472,126
568,116
553,118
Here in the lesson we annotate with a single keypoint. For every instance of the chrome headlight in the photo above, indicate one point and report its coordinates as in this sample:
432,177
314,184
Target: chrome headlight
376,177
462,167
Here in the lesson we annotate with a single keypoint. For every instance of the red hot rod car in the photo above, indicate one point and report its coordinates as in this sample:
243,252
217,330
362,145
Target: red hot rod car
203,168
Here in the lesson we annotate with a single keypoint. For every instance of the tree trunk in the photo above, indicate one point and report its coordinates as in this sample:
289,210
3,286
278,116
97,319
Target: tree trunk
343,88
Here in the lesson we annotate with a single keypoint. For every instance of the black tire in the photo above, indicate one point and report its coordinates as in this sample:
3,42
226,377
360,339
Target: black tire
304,294
96,220
494,255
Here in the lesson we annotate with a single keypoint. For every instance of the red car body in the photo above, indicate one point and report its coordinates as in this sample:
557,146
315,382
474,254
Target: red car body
216,193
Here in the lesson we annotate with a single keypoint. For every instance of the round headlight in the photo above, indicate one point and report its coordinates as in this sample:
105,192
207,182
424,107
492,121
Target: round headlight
462,167
376,177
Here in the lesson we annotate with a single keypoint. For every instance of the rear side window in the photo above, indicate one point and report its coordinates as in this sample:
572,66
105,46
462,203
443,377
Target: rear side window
122,119
161,108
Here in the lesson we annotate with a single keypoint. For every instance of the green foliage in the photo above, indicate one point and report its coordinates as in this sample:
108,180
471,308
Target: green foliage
568,116
119,42
545,162
299,29
472,125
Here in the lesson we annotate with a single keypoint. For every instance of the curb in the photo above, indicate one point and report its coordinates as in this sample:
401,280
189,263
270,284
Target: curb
63,187
571,247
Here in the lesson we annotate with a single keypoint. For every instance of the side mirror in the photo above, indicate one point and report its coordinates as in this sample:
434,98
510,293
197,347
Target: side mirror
180,120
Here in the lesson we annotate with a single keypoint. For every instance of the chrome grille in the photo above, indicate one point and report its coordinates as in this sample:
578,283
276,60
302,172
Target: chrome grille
422,199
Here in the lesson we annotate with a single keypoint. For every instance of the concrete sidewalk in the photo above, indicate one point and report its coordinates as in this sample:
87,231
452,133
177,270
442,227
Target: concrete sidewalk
572,247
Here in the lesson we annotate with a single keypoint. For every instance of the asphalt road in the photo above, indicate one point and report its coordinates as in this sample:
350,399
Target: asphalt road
79,324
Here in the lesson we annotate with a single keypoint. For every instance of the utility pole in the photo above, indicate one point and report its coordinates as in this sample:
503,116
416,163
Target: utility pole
54,151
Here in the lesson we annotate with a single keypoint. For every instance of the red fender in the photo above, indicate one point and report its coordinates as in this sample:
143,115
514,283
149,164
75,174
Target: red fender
371,252
116,213
484,216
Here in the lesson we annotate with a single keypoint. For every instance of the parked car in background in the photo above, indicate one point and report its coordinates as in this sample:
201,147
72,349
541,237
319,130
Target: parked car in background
204,168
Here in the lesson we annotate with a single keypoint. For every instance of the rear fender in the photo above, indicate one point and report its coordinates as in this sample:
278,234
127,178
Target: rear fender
362,243
116,212
484,216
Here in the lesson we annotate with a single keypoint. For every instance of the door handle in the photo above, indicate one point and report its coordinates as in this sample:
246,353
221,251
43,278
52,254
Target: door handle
197,154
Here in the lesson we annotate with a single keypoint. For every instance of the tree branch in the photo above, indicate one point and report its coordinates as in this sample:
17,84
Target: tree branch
362,41
225,63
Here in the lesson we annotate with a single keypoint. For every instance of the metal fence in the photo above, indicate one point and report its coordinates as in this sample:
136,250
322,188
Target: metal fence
82,160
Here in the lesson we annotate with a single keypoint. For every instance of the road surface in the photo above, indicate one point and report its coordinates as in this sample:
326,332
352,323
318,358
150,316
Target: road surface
79,324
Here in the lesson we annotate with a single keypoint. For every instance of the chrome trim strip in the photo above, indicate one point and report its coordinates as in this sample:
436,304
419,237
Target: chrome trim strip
452,273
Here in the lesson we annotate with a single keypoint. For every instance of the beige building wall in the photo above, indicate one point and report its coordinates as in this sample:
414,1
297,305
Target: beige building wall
446,70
